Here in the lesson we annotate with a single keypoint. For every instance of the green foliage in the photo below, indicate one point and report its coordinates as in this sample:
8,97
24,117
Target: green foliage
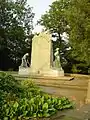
8,83
55,20
73,17
74,69
79,36
16,19
29,102
39,106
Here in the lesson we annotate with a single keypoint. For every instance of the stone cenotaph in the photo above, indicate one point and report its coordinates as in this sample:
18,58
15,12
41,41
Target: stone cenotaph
42,58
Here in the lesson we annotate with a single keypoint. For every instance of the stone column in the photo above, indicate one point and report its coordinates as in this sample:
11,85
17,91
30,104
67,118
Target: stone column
88,93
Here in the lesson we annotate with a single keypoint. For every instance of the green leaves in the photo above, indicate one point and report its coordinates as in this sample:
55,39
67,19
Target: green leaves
54,19
37,104
60,18
45,106
16,19
16,105
79,37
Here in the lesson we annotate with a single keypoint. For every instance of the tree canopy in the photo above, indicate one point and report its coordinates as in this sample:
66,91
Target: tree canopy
72,17
16,19
78,17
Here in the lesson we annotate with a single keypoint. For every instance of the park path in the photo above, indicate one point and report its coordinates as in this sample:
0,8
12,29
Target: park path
80,113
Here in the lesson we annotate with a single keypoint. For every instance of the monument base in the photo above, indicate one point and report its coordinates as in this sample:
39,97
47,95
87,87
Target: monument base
50,72
23,71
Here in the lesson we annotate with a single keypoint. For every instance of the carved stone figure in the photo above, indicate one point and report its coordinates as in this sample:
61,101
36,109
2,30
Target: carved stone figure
57,63
25,61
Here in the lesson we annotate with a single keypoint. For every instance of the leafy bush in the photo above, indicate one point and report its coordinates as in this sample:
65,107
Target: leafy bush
30,89
9,84
27,101
39,106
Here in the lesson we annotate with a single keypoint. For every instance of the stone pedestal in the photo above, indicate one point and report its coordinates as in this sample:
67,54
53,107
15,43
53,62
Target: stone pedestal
53,73
24,71
50,72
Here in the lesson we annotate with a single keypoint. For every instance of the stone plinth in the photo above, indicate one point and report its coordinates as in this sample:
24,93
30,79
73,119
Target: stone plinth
24,71
52,73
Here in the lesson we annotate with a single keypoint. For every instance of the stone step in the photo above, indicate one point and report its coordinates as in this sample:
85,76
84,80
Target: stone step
43,77
64,86
61,83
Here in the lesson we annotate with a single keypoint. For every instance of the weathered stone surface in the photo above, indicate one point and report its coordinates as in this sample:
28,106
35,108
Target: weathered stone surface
41,53
42,57
24,70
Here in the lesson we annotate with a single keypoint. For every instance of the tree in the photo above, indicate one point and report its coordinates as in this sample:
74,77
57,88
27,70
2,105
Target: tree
55,20
78,17
71,16
16,19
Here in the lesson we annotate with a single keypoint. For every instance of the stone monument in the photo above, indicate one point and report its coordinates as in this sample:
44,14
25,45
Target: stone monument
42,57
